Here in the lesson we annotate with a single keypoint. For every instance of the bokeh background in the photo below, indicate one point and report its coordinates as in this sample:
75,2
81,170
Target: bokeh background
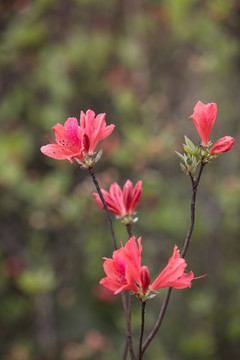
146,64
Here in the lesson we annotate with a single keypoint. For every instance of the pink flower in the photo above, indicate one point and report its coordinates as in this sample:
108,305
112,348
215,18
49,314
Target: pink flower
74,141
204,117
124,272
222,145
69,142
173,274
95,129
121,202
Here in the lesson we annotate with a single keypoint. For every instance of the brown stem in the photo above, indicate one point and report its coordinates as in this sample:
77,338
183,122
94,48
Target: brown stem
183,253
125,351
159,320
141,331
129,230
94,179
193,204
129,331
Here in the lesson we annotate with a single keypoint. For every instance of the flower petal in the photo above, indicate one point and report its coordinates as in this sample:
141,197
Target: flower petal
56,152
173,274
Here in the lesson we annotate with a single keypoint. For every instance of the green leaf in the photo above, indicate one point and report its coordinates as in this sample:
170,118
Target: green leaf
181,157
190,144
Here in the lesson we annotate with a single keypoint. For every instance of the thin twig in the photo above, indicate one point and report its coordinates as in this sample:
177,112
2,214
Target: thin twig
129,308
183,253
129,230
125,351
128,322
94,179
141,331
159,320
193,204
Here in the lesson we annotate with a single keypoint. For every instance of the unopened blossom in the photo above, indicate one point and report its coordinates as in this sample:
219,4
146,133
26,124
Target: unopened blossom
124,272
145,278
122,203
204,117
222,145
78,142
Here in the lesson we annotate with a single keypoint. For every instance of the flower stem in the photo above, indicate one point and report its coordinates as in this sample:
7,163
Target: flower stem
159,320
94,179
129,310
193,205
142,330
129,230
124,300
183,253
125,351
129,331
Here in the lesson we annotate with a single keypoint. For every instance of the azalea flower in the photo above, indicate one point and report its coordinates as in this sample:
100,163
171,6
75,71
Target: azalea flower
78,142
69,142
122,203
204,117
95,129
124,272
222,145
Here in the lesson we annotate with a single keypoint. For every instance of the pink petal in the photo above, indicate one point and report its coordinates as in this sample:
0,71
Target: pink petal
107,131
60,134
117,198
127,195
111,204
71,126
131,253
96,131
56,152
145,278
172,272
136,196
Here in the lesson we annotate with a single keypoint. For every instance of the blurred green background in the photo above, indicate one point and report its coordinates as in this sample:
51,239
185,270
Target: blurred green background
146,64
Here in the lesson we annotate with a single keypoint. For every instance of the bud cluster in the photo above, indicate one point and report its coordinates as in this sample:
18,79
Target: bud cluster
203,117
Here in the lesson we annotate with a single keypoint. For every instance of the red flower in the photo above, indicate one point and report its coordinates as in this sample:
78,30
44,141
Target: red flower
74,141
121,202
173,274
124,272
69,142
222,145
204,117
95,129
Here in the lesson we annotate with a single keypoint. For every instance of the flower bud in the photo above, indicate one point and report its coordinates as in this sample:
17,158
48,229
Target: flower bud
204,117
86,143
145,278
222,145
